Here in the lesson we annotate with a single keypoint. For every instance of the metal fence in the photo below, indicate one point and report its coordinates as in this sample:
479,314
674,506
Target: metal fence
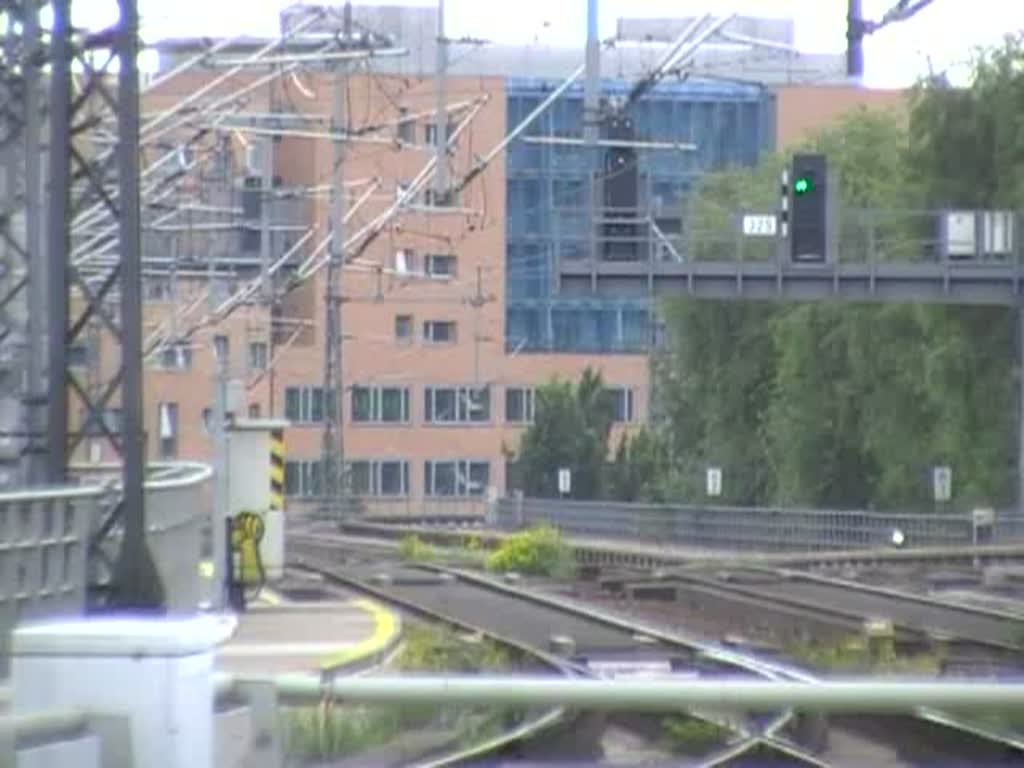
394,509
43,541
176,521
737,528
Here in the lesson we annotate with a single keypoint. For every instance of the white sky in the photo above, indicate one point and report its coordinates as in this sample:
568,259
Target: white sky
946,31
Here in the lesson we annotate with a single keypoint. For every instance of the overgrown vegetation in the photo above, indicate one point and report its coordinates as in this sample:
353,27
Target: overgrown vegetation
412,547
540,551
688,735
853,655
330,730
828,404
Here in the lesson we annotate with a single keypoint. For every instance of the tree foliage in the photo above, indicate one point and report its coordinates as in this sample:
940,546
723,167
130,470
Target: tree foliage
570,431
847,405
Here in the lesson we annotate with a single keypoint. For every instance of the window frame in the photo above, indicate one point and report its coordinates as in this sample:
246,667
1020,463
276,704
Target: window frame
261,361
167,447
431,259
463,470
410,337
175,357
461,410
628,400
374,471
303,401
429,338
527,404
376,412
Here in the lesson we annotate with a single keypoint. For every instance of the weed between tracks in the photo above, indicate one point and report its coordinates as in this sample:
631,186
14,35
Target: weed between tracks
853,654
331,730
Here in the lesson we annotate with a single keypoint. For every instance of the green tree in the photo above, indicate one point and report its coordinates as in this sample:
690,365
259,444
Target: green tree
640,464
968,147
570,430
848,405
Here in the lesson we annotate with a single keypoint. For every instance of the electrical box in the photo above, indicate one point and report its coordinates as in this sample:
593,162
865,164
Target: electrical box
973,234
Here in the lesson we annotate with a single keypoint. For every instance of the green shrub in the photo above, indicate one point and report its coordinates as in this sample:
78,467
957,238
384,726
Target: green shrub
331,730
412,547
328,730
426,648
852,655
540,551
690,736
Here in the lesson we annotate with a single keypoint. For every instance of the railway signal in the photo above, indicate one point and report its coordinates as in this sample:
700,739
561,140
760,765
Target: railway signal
808,209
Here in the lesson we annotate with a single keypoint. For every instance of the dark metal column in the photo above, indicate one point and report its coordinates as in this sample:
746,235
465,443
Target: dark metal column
136,582
58,239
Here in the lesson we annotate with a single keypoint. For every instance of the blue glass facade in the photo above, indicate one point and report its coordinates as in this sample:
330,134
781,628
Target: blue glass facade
548,186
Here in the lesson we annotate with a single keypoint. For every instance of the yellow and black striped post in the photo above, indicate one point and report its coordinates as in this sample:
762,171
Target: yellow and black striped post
277,469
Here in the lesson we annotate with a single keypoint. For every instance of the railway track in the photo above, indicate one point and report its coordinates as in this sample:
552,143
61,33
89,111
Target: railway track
916,618
527,625
532,620
452,529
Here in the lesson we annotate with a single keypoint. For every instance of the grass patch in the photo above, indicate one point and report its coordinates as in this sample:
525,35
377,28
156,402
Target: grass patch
330,730
688,735
852,654
412,547
539,551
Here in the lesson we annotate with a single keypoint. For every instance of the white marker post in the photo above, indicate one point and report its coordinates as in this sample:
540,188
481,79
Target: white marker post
564,482
714,482
942,484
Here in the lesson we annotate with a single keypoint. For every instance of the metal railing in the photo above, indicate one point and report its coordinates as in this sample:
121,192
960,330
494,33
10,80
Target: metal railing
262,696
741,528
177,518
44,535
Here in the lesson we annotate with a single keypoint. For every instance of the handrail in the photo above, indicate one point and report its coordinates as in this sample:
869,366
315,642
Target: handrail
654,695
43,725
192,472
52,492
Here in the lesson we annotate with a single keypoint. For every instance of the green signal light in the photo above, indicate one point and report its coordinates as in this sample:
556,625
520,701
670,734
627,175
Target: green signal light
802,185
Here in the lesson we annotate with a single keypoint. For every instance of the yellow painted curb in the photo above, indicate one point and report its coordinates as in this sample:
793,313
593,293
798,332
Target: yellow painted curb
268,597
385,630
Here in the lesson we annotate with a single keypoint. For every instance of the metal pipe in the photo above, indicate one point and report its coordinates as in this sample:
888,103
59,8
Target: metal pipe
59,238
441,116
656,695
37,467
302,58
136,578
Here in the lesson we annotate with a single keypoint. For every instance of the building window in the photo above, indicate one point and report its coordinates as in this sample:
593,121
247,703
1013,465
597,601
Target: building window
221,348
456,405
403,329
623,405
405,261
207,419
439,331
379,478
176,357
303,478
380,405
459,477
254,410
306,405
430,132
519,405
167,430
258,355
439,265
406,127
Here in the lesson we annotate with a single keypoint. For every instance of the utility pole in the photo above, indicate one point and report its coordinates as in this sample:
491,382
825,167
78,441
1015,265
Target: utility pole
441,118
332,455
592,125
855,39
